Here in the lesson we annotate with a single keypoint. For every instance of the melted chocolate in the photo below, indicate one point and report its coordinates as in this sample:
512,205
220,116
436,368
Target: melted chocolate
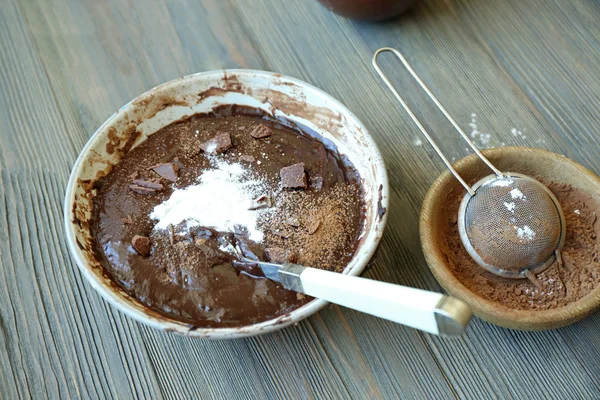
187,275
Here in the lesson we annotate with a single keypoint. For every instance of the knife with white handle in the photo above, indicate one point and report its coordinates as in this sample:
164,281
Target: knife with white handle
420,309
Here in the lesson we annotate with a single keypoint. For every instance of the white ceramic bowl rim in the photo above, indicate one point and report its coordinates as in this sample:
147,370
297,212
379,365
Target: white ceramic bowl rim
285,97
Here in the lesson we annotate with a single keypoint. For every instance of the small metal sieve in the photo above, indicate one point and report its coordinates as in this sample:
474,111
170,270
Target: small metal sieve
511,224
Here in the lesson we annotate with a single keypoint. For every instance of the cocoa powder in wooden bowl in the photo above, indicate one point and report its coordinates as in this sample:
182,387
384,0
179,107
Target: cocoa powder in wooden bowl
561,295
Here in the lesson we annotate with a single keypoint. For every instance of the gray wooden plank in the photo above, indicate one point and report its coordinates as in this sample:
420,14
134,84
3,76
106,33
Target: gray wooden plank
52,348
174,373
290,358
441,47
474,355
552,57
71,64
176,376
349,77
189,368
401,366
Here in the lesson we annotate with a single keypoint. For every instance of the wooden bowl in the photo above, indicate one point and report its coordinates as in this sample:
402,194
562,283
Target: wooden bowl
539,163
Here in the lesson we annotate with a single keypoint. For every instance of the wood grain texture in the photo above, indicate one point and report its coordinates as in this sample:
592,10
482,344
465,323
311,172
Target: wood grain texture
66,65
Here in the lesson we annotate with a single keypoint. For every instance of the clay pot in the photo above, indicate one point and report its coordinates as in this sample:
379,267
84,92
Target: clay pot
370,10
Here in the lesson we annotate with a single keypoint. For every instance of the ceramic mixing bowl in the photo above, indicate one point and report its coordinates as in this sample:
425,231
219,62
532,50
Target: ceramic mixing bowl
280,96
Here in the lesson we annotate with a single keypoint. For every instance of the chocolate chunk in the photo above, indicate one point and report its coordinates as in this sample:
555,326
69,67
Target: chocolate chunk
148,184
293,177
293,221
142,190
258,206
217,145
247,250
200,241
247,158
168,171
261,131
263,201
313,226
141,244
145,187
281,234
276,255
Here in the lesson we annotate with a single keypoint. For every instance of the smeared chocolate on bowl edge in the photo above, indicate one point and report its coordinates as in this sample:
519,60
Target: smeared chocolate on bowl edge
187,276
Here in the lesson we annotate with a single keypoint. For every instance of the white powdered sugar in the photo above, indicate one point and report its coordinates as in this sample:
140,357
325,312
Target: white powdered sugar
517,133
480,138
221,200
525,233
212,146
503,182
517,194
483,139
510,206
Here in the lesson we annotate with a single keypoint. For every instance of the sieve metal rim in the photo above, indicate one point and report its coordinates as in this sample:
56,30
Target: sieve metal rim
475,256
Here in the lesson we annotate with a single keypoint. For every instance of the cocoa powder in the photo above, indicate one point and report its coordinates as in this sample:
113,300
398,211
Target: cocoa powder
319,232
556,287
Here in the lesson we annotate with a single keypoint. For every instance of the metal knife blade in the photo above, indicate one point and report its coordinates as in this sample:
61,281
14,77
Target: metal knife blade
271,271
259,269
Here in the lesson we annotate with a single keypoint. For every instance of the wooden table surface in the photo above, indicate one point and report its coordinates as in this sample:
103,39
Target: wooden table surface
66,65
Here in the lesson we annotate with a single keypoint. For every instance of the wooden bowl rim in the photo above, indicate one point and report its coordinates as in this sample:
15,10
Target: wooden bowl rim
490,311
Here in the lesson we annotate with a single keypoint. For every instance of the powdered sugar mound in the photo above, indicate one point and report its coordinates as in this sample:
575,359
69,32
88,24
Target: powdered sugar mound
517,194
212,146
502,182
221,200
525,233
510,206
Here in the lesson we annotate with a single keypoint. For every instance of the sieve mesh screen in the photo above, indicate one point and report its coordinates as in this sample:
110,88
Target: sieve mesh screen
513,224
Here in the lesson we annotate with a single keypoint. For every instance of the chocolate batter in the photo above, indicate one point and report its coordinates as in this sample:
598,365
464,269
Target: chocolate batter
312,213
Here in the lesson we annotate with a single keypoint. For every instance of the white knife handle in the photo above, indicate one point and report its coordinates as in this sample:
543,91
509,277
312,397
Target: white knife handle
428,311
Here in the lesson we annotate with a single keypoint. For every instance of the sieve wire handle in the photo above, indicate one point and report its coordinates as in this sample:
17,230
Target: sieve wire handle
440,107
